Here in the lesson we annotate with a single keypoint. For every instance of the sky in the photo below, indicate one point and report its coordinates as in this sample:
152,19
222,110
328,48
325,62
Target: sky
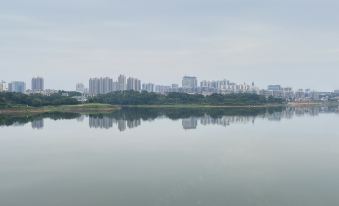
289,42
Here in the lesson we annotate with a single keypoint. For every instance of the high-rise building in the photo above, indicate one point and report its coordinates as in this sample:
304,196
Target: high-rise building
37,84
115,86
94,84
122,83
17,86
133,84
100,86
80,87
107,85
149,87
189,82
3,86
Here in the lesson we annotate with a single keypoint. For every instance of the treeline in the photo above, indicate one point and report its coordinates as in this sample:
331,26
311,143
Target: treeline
9,99
137,98
145,98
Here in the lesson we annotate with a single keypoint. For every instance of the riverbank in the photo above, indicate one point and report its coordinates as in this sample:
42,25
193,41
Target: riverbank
81,108
312,104
197,106
106,108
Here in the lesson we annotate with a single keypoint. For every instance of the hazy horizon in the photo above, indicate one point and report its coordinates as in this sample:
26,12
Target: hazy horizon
292,43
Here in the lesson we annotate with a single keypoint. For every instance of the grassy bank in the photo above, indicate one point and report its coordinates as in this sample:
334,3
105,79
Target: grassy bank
192,106
81,108
100,108
315,103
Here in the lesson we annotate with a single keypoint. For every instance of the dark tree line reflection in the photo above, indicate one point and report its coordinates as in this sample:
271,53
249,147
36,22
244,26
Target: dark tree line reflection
128,118
37,121
191,118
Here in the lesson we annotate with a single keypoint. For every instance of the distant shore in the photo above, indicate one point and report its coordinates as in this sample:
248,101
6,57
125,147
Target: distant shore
304,104
81,108
106,108
189,106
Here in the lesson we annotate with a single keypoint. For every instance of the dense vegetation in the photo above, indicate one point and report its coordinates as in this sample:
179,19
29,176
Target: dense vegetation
136,98
35,100
145,98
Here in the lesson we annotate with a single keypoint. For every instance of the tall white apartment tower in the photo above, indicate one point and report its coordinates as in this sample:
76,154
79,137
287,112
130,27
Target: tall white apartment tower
122,84
37,84
189,82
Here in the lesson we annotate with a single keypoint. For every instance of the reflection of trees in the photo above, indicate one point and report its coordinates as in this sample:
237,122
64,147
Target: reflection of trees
132,117
35,119
191,117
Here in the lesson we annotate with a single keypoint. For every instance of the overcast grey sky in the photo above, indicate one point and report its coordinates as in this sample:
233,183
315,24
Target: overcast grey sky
290,42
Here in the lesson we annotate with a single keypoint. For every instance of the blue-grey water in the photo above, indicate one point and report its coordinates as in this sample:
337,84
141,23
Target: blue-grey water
136,157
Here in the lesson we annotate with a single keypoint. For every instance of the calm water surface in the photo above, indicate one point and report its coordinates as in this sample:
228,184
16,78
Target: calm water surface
136,157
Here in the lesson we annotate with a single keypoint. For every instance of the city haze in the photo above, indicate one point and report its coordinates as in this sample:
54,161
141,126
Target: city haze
292,43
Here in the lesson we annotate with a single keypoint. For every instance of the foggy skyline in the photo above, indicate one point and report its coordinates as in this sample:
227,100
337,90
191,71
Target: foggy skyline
292,43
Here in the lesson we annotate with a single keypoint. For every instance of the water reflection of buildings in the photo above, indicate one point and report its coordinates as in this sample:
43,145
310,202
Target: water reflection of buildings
225,120
106,122
276,115
121,125
290,112
206,119
81,118
133,123
38,124
190,123
100,122
128,119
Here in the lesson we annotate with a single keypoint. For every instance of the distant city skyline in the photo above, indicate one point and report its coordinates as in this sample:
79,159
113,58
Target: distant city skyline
53,83
124,82
292,42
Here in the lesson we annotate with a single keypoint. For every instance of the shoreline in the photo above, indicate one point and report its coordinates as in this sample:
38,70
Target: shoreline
80,108
106,108
190,106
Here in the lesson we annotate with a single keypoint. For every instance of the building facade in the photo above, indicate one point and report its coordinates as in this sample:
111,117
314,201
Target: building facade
133,84
17,86
149,87
100,86
122,85
189,82
37,84
3,86
80,87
